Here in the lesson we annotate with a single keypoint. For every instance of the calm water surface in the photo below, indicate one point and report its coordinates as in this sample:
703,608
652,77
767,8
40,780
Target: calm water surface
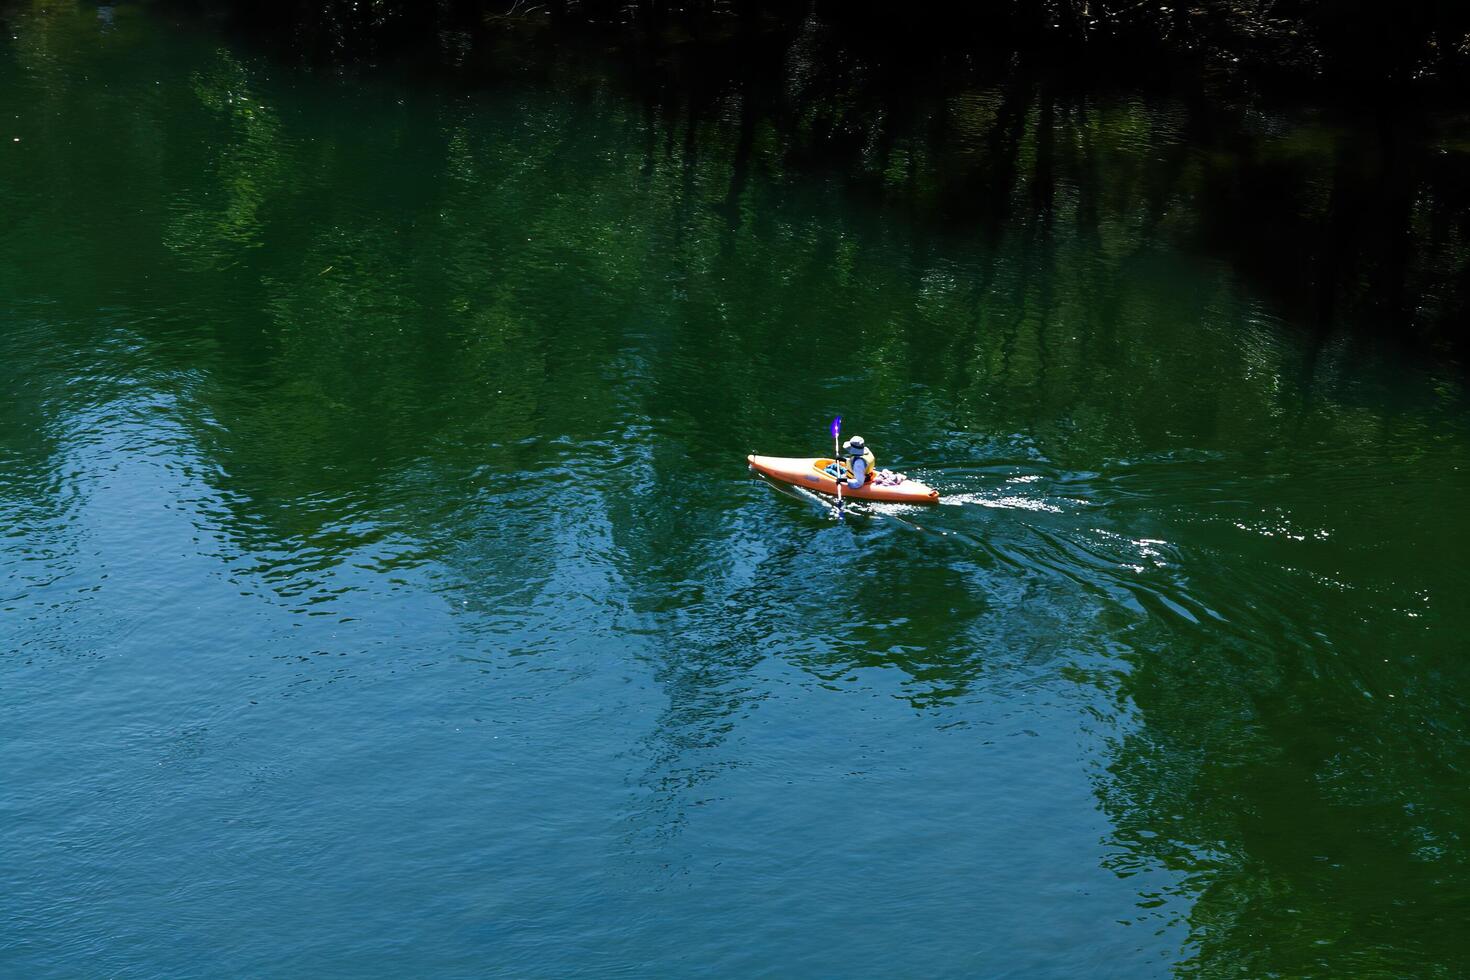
382,590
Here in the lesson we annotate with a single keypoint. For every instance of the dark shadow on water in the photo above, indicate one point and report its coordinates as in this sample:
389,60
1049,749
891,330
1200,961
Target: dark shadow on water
1350,214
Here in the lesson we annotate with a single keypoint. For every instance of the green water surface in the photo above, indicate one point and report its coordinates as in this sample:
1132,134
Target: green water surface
383,591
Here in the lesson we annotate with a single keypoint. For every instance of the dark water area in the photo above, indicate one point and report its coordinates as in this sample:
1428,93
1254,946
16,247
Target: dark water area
383,592
1336,180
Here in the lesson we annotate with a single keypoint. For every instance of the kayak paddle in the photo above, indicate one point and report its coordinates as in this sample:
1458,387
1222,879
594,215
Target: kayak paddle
837,461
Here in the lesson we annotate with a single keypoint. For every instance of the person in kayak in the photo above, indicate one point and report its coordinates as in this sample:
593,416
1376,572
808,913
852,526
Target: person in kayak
861,468
860,461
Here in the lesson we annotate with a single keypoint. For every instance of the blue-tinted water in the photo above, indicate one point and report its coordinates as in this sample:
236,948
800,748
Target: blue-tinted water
382,590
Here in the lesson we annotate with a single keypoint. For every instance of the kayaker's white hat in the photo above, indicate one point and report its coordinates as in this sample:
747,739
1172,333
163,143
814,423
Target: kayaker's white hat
855,446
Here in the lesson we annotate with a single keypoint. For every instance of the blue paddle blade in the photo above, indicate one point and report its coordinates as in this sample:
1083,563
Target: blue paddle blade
836,426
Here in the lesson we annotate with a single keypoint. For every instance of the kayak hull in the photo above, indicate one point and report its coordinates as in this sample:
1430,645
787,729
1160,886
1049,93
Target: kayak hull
808,472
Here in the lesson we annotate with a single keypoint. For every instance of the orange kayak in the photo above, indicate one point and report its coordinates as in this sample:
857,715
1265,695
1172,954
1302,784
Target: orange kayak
811,473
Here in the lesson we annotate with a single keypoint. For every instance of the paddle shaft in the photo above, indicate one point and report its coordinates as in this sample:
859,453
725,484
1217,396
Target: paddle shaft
837,464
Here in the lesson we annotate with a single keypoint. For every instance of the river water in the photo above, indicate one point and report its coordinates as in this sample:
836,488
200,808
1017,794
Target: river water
383,590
